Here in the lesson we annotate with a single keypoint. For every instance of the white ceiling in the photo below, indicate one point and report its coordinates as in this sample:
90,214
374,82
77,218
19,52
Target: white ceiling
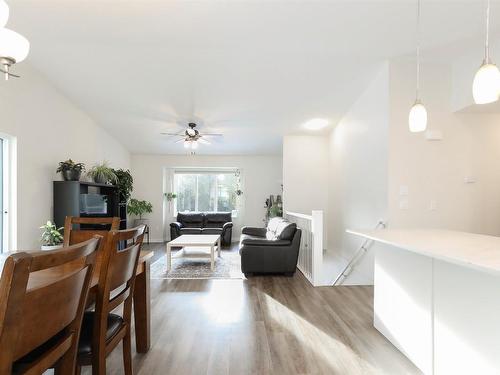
252,70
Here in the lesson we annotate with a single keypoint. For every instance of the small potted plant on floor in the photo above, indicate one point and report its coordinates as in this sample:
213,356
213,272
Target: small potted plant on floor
138,208
51,236
102,174
70,170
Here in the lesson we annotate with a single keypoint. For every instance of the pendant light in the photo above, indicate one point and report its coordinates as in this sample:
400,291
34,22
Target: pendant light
486,85
14,47
417,119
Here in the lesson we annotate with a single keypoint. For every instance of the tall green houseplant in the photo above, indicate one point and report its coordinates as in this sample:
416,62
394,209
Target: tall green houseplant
125,184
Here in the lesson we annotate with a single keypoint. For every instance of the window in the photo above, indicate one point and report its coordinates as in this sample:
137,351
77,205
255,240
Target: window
7,192
205,191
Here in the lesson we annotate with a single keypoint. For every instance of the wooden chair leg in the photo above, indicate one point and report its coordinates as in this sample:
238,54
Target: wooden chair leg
127,353
99,363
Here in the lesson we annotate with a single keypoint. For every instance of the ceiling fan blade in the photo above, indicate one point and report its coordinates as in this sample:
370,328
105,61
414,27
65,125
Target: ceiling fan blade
204,141
173,134
211,134
180,140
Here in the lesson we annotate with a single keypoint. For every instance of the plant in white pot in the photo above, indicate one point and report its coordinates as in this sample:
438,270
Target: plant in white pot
51,236
138,208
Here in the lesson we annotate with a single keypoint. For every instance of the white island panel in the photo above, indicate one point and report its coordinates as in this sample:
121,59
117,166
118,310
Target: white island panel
403,302
466,321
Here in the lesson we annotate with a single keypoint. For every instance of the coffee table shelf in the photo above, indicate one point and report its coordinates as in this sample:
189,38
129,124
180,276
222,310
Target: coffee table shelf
193,246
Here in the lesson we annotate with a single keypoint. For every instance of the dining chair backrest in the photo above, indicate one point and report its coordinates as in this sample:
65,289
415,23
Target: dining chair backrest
116,279
44,319
72,235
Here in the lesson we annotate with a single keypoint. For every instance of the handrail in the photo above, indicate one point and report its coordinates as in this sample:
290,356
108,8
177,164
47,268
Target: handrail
302,216
362,250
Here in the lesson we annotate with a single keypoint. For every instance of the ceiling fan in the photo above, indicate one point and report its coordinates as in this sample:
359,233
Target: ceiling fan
191,137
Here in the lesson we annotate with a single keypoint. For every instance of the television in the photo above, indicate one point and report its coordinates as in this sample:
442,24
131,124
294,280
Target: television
92,204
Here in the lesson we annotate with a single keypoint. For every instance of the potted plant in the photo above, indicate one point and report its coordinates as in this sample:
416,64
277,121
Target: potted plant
138,208
51,236
102,174
70,170
125,184
170,196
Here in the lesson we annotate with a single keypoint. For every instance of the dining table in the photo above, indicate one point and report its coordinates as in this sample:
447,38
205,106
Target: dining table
142,302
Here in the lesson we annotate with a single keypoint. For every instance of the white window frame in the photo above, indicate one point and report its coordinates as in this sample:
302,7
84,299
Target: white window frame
198,171
9,178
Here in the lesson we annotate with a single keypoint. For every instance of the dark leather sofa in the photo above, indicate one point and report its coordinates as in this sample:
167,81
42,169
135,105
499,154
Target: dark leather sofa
203,223
274,249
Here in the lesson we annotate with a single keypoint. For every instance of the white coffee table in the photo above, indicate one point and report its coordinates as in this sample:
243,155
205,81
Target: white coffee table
210,241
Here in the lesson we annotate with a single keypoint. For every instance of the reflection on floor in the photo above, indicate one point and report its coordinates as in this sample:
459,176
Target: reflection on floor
264,325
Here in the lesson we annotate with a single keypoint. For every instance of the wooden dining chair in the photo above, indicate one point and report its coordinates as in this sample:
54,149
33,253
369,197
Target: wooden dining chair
40,326
102,330
105,224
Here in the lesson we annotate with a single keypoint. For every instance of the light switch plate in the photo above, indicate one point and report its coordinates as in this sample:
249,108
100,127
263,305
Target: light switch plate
403,204
434,135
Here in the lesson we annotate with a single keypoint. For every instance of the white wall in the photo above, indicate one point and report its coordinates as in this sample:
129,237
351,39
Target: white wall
49,129
305,173
358,174
262,176
435,171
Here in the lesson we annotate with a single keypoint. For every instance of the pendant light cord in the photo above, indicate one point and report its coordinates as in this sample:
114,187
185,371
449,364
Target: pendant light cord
418,50
487,43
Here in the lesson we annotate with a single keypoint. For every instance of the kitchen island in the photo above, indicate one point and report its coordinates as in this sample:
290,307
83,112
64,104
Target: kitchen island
437,297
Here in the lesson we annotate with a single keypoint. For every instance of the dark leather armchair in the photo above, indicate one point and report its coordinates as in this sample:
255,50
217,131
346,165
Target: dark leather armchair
274,249
203,223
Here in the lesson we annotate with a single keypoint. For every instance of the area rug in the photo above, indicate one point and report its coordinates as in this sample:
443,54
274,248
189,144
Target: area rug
226,267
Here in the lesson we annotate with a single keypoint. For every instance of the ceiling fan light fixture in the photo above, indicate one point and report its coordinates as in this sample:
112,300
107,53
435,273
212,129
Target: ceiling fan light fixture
4,13
194,145
187,144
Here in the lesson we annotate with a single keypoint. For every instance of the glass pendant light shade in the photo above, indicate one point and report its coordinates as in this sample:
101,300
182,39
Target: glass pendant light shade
486,85
4,13
13,45
187,144
418,118
194,145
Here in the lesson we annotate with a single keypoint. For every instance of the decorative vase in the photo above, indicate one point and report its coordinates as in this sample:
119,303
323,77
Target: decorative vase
51,247
100,180
71,175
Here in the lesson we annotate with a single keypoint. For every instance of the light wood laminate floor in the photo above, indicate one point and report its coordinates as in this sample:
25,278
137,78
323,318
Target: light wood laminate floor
264,325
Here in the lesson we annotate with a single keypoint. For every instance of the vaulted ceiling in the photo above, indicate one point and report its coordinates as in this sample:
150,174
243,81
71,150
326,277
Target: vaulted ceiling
252,70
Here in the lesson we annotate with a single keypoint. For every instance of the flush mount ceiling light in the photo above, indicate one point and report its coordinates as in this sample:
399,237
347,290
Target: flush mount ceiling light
4,13
14,47
316,124
486,85
417,119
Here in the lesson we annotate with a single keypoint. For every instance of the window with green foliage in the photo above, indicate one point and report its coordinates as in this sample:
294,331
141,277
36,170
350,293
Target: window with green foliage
205,191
